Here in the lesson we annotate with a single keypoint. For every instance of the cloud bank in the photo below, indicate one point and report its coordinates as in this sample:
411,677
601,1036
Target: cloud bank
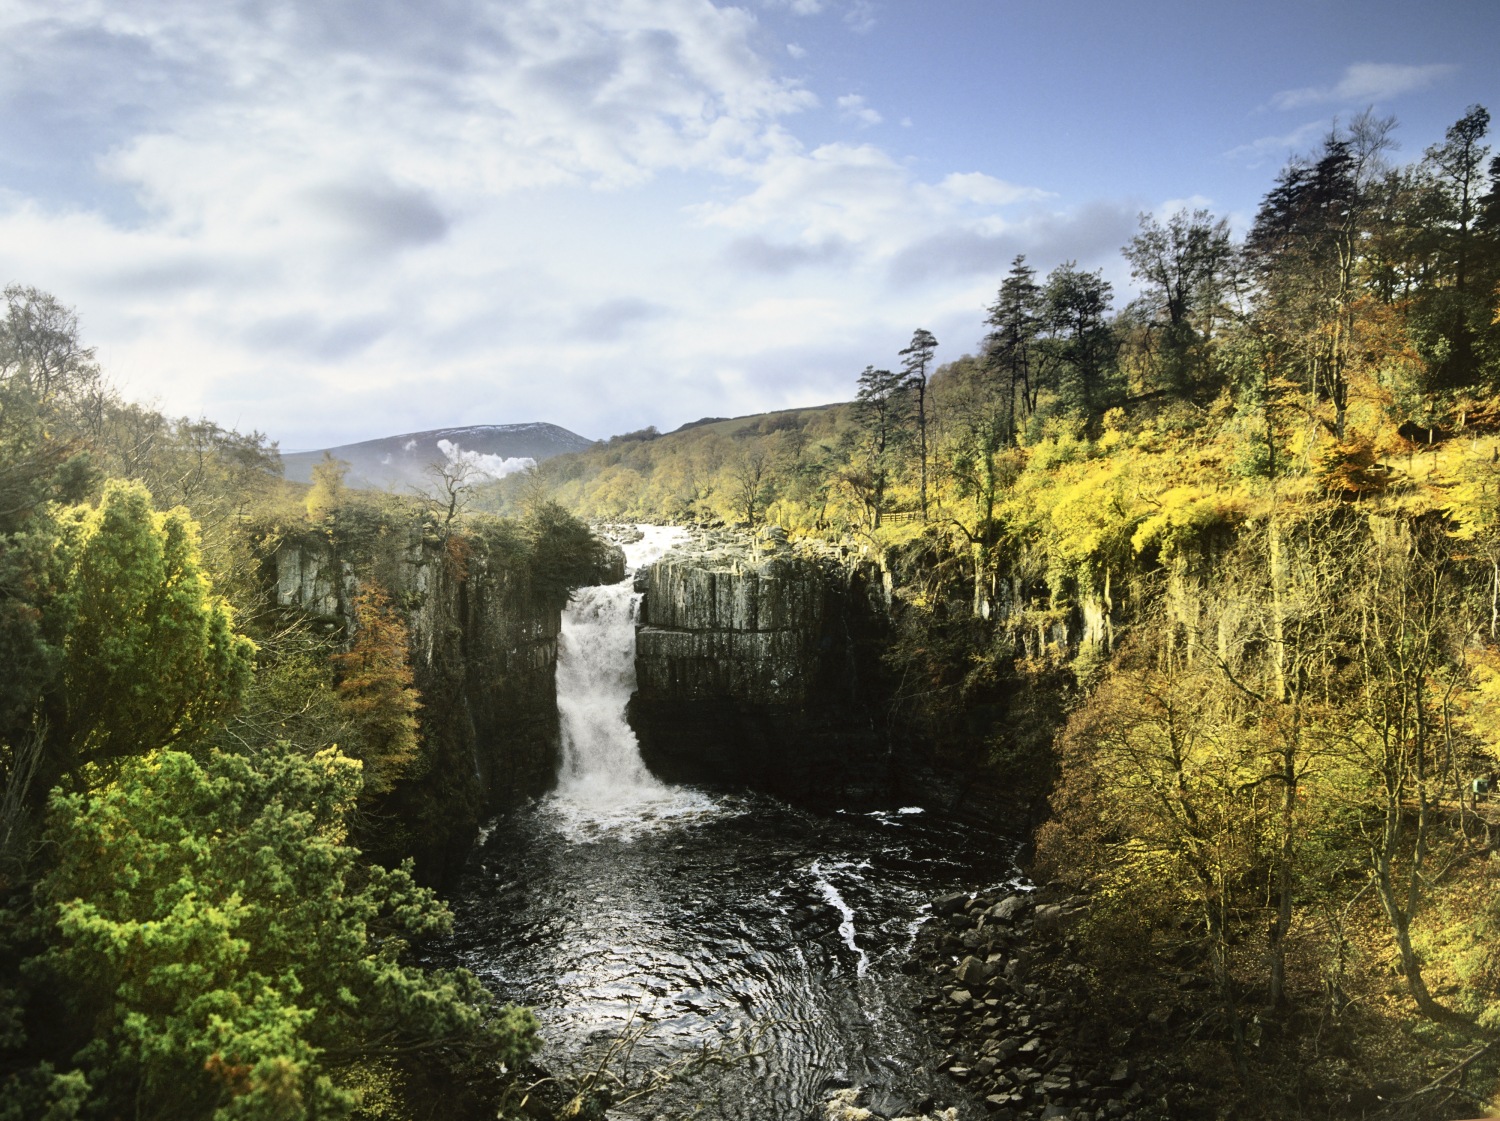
329,220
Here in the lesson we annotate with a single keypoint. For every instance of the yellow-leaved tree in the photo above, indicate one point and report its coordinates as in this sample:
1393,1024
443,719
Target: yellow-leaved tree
377,692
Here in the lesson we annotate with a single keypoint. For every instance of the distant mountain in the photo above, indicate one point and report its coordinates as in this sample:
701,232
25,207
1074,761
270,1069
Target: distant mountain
400,462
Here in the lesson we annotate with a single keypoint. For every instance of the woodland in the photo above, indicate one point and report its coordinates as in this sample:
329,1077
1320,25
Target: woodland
1212,577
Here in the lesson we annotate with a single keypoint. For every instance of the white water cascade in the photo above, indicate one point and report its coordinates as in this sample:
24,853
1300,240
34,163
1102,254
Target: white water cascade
603,786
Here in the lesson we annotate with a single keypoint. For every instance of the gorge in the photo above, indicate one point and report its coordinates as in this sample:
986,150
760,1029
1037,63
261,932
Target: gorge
713,921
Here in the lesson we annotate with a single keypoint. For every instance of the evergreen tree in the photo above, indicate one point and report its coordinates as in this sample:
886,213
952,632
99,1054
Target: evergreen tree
149,656
1080,341
1303,249
1015,322
880,407
918,356
1455,308
221,953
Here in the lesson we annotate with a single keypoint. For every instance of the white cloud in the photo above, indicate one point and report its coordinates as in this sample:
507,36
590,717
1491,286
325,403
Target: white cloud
853,107
489,466
1168,207
1365,82
860,15
596,212
974,186
1257,152
796,51
858,196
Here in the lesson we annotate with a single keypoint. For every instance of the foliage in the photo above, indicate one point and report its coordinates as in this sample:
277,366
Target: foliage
376,692
230,954
1240,540
562,551
149,655
327,492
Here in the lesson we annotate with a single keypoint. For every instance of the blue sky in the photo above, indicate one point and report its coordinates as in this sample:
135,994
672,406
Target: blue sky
347,219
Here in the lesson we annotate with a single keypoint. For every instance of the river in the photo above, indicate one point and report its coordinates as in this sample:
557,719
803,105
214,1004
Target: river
708,925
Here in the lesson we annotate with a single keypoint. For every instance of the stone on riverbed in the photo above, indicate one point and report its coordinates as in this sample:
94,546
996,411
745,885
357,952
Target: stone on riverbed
949,904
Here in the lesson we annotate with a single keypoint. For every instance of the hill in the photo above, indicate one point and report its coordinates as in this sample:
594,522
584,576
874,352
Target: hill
394,462
782,466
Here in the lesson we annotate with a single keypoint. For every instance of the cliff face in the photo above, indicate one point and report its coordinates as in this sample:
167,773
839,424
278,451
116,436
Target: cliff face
483,648
764,673
746,632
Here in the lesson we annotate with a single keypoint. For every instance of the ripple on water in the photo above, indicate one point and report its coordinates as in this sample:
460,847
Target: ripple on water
700,917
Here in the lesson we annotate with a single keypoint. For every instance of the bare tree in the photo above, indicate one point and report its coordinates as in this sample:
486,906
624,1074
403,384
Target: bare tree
750,478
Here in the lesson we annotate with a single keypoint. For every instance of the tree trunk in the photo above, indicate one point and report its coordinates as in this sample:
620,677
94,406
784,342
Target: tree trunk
922,438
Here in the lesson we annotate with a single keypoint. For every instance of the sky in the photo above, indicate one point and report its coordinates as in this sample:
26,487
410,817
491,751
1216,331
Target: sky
337,220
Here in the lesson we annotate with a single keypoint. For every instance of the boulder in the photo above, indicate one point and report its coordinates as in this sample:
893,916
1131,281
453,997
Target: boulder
1057,916
949,904
972,971
1008,908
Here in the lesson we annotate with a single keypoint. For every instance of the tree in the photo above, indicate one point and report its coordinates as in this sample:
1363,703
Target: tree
562,552
1303,247
980,411
376,692
47,377
453,483
1408,621
879,407
1015,322
42,357
1080,342
1174,826
149,655
1181,268
750,480
231,956
1454,312
328,491
918,355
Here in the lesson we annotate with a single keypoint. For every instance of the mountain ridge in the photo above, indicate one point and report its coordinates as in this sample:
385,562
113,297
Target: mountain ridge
407,459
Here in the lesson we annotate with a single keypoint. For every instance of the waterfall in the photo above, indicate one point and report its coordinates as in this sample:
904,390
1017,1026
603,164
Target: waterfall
602,782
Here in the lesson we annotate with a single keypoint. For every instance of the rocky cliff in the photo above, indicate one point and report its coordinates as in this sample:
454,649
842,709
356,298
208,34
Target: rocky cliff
762,668
483,641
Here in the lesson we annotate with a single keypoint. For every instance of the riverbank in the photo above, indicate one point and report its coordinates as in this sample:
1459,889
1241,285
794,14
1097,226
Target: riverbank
1011,1012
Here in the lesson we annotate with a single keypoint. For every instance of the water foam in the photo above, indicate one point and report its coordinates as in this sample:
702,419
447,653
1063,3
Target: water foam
835,900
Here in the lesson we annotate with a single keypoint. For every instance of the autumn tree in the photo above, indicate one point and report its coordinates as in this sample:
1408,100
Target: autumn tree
1153,806
751,477
375,687
328,490
1409,622
978,403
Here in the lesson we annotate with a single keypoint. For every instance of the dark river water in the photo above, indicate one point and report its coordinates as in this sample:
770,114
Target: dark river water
746,924
708,925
